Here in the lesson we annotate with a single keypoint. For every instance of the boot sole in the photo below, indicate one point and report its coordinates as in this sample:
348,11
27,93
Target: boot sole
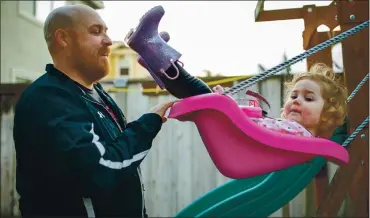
132,33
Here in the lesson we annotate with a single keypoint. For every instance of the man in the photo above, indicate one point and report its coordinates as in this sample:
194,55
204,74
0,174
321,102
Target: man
76,155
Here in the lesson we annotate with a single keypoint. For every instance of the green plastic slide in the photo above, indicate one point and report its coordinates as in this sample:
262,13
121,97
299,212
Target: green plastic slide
259,196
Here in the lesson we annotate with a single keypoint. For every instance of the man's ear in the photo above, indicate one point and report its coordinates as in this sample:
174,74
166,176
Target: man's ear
61,37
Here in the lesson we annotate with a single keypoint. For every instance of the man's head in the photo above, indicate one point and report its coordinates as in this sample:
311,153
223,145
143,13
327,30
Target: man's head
77,40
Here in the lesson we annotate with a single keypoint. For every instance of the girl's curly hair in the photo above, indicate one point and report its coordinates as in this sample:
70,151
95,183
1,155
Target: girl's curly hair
333,93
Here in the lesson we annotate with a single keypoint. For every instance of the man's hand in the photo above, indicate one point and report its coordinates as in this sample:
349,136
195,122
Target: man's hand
161,109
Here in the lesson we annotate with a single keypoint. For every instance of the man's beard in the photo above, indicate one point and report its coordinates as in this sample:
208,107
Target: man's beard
90,70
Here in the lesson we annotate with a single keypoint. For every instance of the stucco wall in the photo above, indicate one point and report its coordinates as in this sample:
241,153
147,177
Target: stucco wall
23,47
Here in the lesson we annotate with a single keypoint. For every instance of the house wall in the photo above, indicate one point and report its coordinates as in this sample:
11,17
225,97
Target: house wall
23,48
117,58
24,52
113,63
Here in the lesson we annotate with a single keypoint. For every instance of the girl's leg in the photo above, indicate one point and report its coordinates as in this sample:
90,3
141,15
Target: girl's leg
185,85
160,59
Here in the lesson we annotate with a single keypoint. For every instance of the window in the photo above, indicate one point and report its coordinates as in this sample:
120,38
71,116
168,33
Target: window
123,66
43,8
27,7
124,71
39,9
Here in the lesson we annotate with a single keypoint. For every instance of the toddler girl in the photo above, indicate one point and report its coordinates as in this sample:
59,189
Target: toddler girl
315,104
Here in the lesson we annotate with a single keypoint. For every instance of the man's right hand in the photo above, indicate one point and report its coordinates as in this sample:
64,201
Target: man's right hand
161,109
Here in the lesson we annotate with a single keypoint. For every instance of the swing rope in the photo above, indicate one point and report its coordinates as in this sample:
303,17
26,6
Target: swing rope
366,78
365,121
280,67
357,130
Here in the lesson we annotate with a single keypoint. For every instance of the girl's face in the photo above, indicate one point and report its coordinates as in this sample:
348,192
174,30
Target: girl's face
305,104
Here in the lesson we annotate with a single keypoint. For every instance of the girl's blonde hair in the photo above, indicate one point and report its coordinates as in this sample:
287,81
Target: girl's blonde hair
333,93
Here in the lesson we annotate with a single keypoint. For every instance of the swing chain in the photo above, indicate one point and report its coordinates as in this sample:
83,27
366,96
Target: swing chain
282,66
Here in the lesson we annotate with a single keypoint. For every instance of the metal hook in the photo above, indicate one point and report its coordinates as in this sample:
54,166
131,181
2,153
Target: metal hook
177,71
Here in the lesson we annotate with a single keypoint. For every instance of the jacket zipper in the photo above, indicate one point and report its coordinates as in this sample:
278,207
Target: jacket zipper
120,112
115,121
142,194
141,184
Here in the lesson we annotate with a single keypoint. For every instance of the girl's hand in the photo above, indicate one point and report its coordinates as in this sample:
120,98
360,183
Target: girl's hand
218,89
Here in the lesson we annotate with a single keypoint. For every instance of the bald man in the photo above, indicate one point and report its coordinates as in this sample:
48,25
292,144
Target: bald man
76,154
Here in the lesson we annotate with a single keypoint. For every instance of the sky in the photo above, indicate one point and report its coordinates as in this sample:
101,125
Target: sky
219,36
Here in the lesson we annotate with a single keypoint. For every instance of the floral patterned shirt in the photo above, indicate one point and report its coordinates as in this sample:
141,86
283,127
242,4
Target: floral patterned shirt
283,126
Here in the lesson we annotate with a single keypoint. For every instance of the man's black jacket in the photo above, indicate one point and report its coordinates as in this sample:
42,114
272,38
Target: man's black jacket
72,157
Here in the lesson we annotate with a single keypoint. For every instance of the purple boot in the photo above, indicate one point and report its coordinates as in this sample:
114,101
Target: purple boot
154,51
166,37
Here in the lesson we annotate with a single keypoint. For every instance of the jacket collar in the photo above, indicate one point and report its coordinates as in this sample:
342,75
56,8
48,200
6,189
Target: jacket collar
72,85
50,68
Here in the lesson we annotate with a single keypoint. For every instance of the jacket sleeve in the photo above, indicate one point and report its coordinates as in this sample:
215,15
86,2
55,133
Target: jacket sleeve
68,129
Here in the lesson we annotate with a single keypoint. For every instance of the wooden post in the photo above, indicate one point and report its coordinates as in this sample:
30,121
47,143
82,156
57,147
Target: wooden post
9,94
359,191
355,175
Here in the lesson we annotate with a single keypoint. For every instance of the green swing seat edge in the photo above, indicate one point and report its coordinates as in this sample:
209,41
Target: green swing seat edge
259,196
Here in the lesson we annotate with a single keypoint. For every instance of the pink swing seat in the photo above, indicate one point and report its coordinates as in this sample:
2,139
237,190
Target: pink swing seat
239,147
